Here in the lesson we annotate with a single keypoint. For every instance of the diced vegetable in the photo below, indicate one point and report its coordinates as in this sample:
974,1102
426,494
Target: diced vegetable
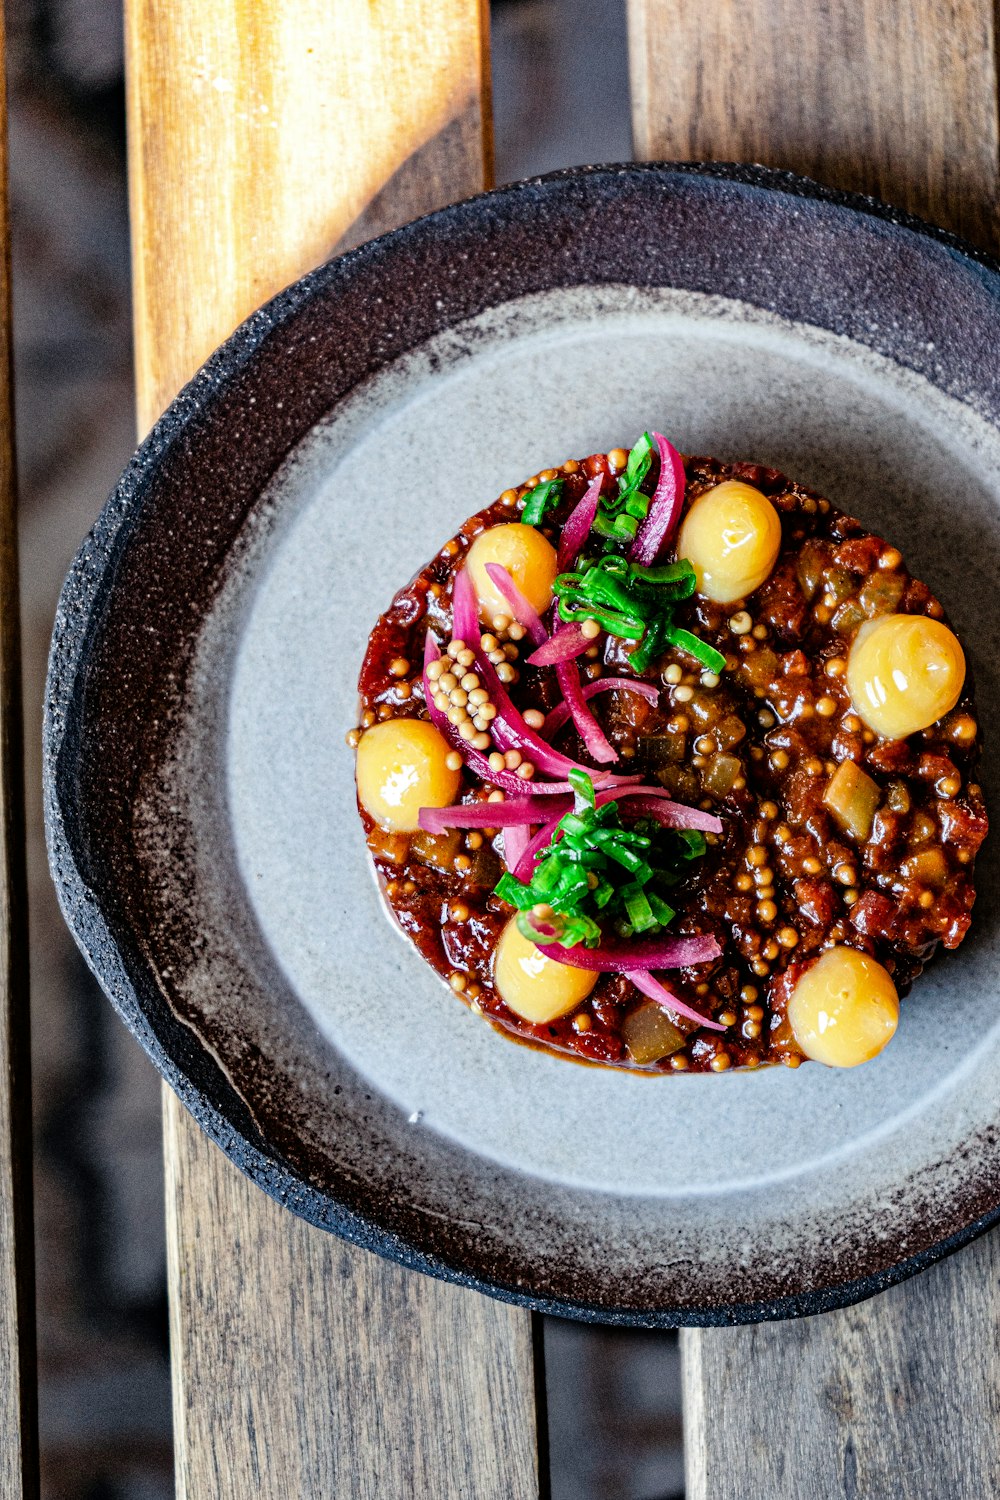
929,867
811,562
720,774
386,845
848,618
649,1036
852,796
437,849
897,795
839,584
881,594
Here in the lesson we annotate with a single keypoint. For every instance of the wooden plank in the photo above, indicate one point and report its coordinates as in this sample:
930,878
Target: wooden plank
18,1400
900,1395
260,133
883,96
261,136
306,1367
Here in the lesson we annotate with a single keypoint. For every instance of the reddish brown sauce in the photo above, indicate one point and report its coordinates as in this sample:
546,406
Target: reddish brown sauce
758,747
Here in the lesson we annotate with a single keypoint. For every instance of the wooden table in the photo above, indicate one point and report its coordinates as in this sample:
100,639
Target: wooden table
262,137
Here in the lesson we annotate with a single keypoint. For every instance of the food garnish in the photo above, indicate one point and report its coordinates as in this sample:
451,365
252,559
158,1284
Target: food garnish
722,743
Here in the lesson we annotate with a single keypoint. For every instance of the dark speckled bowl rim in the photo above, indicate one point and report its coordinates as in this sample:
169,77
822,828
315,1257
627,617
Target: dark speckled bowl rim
186,1063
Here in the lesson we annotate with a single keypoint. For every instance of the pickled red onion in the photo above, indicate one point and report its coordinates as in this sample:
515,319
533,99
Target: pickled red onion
560,714
515,841
666,999
587,727
567,642
524,612
665,506
513,813
578,524
630,958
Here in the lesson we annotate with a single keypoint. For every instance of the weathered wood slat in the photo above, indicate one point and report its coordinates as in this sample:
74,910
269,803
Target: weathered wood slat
881,96
306,1367
18,1401
900,1395
261,137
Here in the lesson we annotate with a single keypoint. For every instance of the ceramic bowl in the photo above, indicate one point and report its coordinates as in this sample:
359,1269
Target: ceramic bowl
201,817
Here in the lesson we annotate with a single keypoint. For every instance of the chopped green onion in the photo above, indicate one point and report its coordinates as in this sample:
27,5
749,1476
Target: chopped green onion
583,789
543,498
595,868
712,660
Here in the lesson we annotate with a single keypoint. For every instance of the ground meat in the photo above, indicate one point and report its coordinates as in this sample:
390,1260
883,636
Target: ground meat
759,745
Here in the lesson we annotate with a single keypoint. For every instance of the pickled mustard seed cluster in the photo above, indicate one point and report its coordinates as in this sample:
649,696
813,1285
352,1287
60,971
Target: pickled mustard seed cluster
667,764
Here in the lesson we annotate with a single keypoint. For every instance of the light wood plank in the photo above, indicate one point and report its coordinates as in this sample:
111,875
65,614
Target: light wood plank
305,1367
900,1395
261,137
18,1403
888,97
259,133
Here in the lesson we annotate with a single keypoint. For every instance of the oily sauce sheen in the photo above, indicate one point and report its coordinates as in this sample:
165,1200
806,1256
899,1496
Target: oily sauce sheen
759,747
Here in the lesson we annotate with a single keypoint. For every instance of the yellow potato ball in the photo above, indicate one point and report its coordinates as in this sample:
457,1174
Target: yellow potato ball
400,768
904,672
529,559
844,1009
535,987
731,536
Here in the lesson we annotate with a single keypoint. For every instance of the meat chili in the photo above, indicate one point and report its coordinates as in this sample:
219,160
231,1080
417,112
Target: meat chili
832,836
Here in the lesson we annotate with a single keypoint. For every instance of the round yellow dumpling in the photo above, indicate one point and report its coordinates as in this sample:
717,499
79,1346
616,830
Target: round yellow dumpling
731,536
529,559
844,1009
535,987
401,767
904,672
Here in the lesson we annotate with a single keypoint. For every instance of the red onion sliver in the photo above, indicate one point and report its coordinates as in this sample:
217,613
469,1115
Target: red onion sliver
578,525
464,610
515,842
513,813
664,508
560,714
589,730
512,733
645,982
568,642
521,609
670,814
477,763
626,958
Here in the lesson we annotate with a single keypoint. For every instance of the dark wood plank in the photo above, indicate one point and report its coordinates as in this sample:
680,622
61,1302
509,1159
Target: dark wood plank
18,1401
260,139
883,96
897,1397
900,1395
